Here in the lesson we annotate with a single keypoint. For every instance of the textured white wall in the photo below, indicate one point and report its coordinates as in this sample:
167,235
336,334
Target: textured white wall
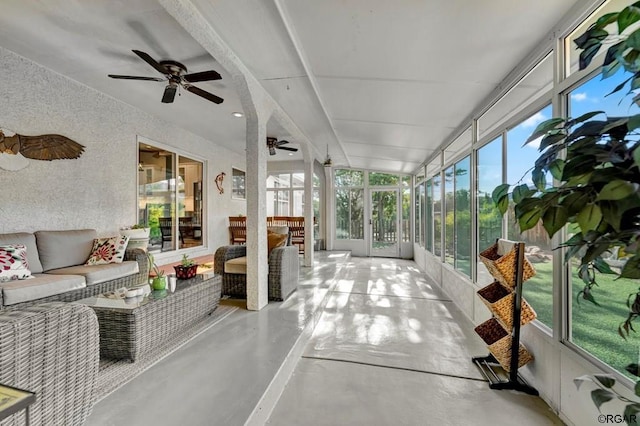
98,190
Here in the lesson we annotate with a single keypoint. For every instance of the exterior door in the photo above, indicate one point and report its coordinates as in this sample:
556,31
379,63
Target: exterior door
384,223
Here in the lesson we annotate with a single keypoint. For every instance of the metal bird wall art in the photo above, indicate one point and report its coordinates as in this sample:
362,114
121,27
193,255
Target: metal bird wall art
15,149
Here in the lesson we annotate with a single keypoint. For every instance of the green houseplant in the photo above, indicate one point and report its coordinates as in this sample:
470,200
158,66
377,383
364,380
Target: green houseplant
596,160
159,281
187,268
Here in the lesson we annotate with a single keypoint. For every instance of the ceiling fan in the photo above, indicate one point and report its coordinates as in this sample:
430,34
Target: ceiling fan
175,74
274,143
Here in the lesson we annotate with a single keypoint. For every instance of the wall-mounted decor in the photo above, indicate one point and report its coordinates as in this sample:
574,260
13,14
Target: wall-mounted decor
219,180
15,149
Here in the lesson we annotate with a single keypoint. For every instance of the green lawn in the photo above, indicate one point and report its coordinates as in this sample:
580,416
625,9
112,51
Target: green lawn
594,328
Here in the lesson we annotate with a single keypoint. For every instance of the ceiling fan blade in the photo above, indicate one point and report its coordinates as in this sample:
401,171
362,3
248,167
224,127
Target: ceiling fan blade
202,76
148,59
203,93
169,94
131,77
287,148
281,142
272,150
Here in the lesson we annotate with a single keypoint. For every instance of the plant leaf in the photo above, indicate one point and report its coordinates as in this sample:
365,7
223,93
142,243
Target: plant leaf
500,196
626,17
616,190
600,396
589,217
631,269
605,20
556,168
500,191
631,414
575,201
602,266
636,156
605,379
580,380
529,219
539,179
520,192
554,219
583,117
544,127
578,165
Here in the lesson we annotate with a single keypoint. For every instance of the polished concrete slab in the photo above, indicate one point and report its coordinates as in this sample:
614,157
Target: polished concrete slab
390,348
324,392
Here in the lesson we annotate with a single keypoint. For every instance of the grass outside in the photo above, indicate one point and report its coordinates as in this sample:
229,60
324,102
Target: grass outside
594,328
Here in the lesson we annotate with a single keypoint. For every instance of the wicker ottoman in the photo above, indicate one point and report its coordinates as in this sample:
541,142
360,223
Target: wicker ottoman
130,328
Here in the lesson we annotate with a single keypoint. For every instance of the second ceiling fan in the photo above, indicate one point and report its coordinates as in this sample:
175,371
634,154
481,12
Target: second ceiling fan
175,74
274,143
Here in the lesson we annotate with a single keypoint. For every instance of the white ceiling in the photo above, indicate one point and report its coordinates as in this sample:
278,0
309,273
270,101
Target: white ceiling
379,83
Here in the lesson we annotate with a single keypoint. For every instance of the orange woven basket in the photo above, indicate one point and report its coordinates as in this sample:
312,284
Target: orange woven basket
500,302
491,331
503,267
501,350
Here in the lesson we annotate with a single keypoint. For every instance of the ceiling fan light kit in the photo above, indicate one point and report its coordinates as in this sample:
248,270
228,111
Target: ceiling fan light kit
175,74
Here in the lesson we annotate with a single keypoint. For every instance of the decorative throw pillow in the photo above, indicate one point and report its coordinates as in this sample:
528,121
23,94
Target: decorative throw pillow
108,250
13,263
276,240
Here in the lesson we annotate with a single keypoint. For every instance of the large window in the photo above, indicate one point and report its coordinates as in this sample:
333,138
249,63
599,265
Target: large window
170,198
489,175
437,215
406,209
449,226
593,327
462,206
285,194
429,216
538,291
349,204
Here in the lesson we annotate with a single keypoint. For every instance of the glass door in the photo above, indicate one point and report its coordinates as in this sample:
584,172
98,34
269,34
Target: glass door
384,223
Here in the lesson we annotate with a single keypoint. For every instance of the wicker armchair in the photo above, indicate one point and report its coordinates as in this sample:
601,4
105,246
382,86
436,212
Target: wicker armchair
283,271
53,350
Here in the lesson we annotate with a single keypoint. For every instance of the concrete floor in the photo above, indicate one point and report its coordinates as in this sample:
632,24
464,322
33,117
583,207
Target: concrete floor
388,348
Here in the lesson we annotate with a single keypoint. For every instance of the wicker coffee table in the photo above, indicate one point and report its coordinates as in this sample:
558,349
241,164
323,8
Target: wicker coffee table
131,327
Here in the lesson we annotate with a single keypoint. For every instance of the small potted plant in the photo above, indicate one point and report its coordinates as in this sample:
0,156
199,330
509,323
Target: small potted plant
187,268
159,281
138,236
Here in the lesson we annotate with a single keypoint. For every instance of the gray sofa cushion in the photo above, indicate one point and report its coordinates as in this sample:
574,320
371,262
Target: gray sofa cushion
96,274
29,241
59,249
42,285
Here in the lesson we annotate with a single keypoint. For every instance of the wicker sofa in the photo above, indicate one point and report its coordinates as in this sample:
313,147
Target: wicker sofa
56,260
51,349
283,271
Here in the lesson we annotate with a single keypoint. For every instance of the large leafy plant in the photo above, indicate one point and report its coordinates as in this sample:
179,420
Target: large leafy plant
596,160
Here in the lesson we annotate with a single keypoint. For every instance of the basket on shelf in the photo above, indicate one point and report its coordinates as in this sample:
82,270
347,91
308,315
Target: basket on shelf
501,350
491,331
500,302
503,266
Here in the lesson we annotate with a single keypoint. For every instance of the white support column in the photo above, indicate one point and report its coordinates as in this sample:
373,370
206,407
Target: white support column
257,261
308,206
